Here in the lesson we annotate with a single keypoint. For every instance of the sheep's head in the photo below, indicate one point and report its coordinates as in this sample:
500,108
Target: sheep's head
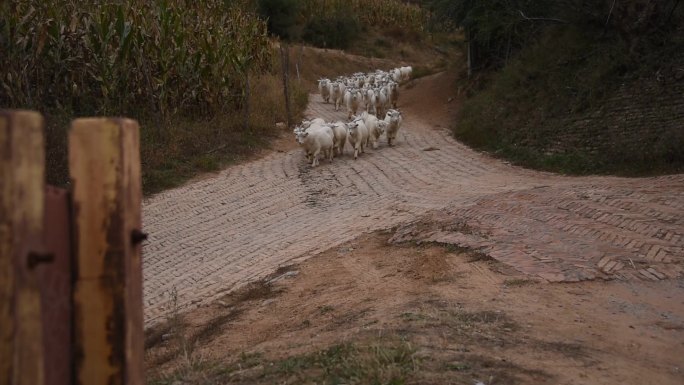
382,126
300,134
394,115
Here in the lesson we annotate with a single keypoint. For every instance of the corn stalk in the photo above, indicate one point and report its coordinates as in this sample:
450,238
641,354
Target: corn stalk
139,57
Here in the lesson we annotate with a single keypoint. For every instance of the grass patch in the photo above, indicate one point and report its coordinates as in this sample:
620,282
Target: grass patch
325,309
191,147
387,362
172,346
458,366
408,316
480,317
252,292
518,282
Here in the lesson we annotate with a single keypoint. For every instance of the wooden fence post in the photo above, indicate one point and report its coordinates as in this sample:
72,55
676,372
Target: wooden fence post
285,61
22,189
104,162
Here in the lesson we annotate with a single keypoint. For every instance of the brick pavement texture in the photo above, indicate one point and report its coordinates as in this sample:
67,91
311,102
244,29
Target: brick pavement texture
215,235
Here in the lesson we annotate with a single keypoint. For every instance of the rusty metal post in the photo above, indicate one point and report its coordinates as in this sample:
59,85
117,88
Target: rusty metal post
104,162
22,189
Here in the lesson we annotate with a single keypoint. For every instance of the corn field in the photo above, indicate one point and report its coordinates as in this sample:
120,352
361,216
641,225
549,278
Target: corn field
155,58
383,13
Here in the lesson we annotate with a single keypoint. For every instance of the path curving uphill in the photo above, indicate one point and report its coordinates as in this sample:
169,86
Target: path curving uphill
217,234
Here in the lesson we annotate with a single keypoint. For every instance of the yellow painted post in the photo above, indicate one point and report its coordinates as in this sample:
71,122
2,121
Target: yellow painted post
104,162
22,199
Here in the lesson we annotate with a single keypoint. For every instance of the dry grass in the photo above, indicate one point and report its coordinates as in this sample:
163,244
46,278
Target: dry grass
190,147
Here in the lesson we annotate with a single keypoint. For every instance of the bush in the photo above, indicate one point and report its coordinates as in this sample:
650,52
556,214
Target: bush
337,30
282,17
576,101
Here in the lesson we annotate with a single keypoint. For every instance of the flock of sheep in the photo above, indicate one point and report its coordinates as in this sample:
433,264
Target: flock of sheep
377,92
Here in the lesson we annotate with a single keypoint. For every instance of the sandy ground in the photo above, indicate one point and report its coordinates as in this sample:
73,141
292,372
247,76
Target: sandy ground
467,319
428,313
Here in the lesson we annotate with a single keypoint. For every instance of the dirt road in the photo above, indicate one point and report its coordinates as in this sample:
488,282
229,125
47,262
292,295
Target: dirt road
220,233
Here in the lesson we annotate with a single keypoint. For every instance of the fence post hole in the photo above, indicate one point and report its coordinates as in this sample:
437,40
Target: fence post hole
22,189
104,162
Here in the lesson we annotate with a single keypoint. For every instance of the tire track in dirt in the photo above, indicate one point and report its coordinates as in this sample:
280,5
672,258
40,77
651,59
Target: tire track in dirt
217,234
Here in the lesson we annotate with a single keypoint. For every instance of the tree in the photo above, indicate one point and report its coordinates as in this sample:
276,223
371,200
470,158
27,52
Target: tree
282,17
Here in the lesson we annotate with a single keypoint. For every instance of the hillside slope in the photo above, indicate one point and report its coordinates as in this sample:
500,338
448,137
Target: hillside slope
581,99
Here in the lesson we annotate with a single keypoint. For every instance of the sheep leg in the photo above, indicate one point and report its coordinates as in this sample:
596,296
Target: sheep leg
314,163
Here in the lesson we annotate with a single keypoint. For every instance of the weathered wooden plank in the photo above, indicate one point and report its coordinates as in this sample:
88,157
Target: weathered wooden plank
135,338
55,287
22,185
105,171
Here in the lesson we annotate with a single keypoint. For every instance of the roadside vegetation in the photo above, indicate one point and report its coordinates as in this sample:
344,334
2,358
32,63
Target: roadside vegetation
203,79
180,68
574,86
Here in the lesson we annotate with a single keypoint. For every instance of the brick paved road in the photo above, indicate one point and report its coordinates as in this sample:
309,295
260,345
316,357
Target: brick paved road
217,234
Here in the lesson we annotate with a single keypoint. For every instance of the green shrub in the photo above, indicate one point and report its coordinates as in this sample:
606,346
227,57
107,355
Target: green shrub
282,17
528,111
335,30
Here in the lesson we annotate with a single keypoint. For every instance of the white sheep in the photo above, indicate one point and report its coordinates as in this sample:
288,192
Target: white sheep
308,123
324,89
340,136
358,136
374,129
343,89
316,139
371,101
337,93
396,75
382,101
352,99
392,124
406,72
393,94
